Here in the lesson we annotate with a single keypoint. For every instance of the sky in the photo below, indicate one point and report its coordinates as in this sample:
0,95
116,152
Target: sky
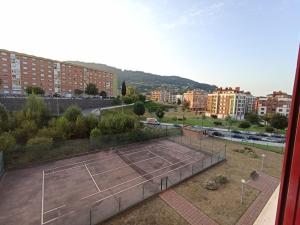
248,43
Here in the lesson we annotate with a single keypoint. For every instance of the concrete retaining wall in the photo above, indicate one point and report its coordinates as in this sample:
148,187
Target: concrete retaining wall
56,105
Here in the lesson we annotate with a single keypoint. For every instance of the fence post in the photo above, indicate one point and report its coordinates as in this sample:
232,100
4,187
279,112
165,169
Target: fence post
91,216
143,191
119,204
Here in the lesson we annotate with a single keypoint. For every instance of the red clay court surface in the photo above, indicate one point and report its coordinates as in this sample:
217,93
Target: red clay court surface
62,192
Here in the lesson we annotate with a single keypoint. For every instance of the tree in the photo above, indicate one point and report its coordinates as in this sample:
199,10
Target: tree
279,121
252,118
266,118
91,121
141,98
91,89
35,109
103,94
78,92
139,108
34,90
244,124
160,113
130,91
72,113
123,89
178,101
81,129
229,121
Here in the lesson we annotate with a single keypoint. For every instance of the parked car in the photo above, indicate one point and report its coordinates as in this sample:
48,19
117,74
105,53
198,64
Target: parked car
152,121
235,132
217,134
176,125
237,136
262,135
254,138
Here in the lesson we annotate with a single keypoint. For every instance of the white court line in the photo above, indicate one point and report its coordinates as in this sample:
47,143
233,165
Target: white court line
160,157
94,162
92,178
42,210
50,210
128,165
117,185
112,195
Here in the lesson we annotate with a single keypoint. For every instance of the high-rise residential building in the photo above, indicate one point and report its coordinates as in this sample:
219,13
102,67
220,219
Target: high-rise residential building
277,102
230,102
18,71
197,99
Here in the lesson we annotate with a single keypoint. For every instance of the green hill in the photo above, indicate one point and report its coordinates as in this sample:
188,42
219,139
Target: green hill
145,82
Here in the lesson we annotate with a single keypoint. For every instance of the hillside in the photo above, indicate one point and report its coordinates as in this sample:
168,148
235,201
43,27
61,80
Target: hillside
145,82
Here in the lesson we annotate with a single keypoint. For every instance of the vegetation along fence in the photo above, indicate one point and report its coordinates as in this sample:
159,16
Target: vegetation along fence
28,155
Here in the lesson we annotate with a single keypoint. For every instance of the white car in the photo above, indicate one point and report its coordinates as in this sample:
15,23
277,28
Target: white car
152,121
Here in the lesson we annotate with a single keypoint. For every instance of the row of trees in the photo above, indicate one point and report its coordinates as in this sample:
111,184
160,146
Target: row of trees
275,120
91,89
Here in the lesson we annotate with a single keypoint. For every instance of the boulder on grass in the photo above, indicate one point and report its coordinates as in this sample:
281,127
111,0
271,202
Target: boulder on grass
221,179
211,185
254,175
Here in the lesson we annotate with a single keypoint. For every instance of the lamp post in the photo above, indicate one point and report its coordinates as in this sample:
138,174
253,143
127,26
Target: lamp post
262,161
242,194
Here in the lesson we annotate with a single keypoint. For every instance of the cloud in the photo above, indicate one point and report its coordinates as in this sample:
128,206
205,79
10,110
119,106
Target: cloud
189,16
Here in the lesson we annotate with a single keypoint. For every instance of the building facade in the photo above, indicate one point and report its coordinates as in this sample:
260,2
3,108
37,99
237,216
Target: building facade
197,100
18,71
230,102
277,102
165,96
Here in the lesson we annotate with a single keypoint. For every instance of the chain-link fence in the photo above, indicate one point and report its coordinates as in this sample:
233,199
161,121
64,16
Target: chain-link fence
1,164
116,202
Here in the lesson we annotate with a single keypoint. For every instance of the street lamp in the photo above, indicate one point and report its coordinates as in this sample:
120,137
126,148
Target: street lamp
242,194
262,161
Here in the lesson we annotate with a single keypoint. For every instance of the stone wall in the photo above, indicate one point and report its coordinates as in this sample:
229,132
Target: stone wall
56,105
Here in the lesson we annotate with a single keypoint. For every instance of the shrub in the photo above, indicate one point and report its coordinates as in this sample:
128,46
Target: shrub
160,113
218,123
128,99
211,185
116,101
35,109
252,118
72,113
103,94
39,140
7,141
174,118
81,129
139,108
254,175
96,132
51,132
279,121
92,122
63,126
27,130
244,124
4,117
141,98
34,90
269,129
118,123
214,116
221,179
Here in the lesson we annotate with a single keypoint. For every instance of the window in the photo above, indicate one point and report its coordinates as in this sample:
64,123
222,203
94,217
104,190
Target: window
4,59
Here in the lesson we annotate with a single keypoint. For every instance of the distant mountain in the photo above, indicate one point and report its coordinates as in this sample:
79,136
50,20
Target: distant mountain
145,82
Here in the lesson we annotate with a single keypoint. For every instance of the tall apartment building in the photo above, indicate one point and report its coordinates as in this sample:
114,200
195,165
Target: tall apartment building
17,71
277,102
197,99
229,101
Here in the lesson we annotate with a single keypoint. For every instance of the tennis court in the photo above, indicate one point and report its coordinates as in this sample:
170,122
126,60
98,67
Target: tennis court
91,188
